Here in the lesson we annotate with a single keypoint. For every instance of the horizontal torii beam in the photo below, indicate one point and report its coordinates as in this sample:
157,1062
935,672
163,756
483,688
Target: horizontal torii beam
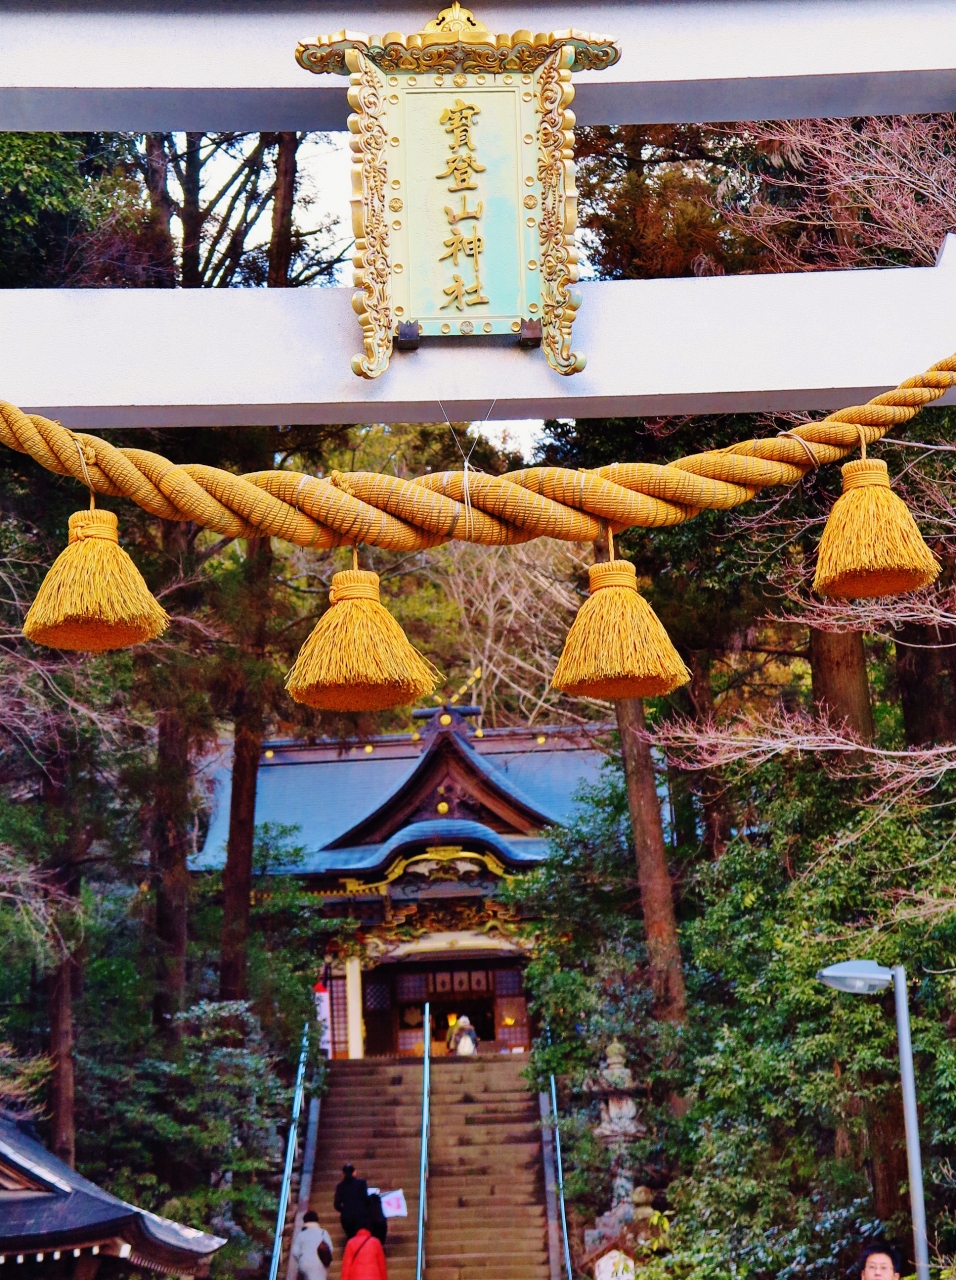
203,64
231,357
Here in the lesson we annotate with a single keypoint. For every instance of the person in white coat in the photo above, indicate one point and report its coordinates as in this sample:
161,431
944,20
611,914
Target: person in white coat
312,1249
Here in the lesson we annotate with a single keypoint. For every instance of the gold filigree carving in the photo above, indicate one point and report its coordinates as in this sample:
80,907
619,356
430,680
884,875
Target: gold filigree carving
372,302
559,201
435,853
456,40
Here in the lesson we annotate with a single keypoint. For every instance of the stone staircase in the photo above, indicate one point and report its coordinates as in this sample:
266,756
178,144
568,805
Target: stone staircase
486,1203
372,1116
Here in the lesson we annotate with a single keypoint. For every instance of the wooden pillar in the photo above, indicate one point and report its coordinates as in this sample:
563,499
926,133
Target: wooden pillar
353,1006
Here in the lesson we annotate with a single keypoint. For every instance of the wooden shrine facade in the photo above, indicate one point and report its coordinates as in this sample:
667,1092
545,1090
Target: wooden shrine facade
417,837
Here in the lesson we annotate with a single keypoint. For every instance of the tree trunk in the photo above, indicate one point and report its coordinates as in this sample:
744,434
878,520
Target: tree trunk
886,1140
716,811
249,727
840,688
161,211
280,246
170,835
170,849
237,877
925,679
69,841
62,1121
192,214
657,894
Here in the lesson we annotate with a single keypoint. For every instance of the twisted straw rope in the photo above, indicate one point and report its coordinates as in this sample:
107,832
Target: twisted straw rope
405,515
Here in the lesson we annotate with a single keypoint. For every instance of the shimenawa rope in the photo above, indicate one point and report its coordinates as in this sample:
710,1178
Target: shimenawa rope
396,514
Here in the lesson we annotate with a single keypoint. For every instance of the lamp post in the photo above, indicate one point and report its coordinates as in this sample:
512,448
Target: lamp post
864,977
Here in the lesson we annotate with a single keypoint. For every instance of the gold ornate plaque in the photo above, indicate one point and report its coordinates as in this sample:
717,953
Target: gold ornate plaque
464,206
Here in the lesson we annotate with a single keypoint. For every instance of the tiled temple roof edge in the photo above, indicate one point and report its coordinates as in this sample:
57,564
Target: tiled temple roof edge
68,1209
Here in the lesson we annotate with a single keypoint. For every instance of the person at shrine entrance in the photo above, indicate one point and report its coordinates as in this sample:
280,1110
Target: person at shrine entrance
462,1038
351,1202
312,1249
364,1258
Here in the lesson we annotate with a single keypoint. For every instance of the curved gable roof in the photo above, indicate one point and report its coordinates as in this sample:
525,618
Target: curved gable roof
489,784
445,831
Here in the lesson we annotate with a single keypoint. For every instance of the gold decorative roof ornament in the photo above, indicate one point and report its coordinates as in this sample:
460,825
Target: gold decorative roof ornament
456,40
432,855
455,18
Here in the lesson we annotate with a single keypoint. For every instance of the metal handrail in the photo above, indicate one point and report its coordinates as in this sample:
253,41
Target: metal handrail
426,1127
289,1156
560,1172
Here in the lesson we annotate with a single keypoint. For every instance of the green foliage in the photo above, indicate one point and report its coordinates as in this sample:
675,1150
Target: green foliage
21,1080
765,1160
43,199
193,1136
56,191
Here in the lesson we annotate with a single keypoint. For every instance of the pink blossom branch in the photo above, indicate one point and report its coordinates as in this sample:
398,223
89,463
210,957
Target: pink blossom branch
894,775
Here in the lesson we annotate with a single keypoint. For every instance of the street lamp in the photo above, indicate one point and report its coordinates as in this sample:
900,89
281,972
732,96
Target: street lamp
864,977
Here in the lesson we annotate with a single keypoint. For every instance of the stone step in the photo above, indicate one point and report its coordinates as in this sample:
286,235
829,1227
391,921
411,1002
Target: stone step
520,1238
478,1138
482,1199
493,1267
386,1103
496,1164
493,1102
525,1199
378,1172
468,1255
405,1129
362,1154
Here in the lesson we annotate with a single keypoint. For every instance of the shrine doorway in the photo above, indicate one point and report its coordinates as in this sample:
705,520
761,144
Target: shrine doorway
489,991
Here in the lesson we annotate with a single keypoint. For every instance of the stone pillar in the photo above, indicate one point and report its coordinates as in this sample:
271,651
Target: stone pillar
353,1007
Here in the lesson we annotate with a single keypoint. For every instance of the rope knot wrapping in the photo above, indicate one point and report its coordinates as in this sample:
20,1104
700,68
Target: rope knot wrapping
865,471
355,584
341,482
93,524
612,573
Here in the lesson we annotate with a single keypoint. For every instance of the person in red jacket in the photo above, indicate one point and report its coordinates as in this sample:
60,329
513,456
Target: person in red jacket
364,1258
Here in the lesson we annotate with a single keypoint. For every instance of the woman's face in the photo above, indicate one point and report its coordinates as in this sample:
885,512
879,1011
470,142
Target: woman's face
879,1266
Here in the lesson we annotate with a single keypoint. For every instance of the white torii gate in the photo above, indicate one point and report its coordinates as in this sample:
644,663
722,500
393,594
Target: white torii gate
667,346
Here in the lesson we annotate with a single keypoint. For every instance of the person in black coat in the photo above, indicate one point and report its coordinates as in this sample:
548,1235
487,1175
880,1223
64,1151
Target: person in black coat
351,1202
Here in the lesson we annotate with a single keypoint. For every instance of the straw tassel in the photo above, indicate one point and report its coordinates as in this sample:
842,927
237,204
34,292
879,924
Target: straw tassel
871,545
617,647
358,658
94,598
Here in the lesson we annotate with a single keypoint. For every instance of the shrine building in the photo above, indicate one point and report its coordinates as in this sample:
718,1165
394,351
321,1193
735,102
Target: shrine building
58,1224
415,835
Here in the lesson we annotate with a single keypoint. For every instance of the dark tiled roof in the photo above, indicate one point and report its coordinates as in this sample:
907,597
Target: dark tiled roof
64,1208
328,789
